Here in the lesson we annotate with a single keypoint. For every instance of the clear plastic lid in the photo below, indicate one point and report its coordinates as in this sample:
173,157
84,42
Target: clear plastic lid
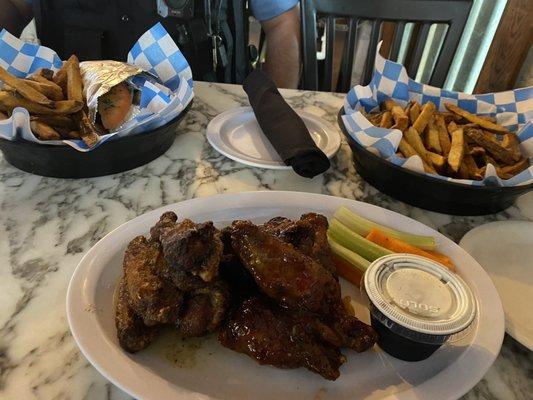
419,295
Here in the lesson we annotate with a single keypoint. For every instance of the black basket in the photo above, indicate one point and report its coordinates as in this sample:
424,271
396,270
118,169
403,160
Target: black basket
109,158
427,192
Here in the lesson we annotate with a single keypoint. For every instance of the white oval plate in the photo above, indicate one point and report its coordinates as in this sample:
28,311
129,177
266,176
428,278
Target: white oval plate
505,250
236,134
167,370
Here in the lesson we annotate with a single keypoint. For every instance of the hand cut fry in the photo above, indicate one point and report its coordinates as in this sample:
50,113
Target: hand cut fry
386,120
74,82
413,138
470,164
516,168
511,143
432,137
8,102
444,136
400,119
457,150
407,150
414,112
491,145
87,129
56,121
477,151
375,119
425,115
43,131
24,89
60,77
45,73
438,161
49,89
449,117
475,119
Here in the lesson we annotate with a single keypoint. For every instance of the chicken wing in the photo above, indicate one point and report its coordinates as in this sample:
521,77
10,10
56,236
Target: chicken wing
308,235
133,335
204,310
192,251
275,336
153,298
291,278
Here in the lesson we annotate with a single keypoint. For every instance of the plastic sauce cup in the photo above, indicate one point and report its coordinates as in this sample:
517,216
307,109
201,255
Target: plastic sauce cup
416,305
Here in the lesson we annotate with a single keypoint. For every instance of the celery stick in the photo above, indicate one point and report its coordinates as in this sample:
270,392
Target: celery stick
363,226
353,258
354,242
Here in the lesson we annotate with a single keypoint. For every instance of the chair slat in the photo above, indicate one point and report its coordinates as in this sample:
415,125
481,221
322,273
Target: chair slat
397,41
328,65
371,55
421,40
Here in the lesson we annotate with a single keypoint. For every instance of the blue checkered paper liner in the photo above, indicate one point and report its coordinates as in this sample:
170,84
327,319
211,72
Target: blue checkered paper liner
512,109
166,89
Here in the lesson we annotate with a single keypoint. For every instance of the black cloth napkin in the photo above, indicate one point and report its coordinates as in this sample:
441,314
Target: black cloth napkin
283,127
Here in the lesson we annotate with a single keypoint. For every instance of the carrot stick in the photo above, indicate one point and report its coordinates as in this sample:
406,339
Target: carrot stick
399,246
347,271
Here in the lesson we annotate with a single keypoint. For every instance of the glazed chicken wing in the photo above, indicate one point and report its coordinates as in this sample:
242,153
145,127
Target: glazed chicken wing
192,251
133,335
153,298
291,278
273,335
308,235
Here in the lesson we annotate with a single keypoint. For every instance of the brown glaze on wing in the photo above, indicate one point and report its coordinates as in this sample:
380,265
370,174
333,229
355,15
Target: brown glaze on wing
275,336
291,278
133,335
152,298
308,235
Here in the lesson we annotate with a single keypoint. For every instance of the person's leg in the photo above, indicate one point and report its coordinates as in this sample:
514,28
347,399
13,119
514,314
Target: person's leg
282,62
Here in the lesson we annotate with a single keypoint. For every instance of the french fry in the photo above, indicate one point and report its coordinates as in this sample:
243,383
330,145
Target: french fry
511,143
407,150
426,113
432,137
398,154
444,136
476,120
74,82
488,118
414,112
470,163
374,119
463,172
44,72
49,89
60,77
3,116
491,145
457,150
56,121
73,135
438,161
477,151
8,102
516,168
449,116
88,131
400,119
386,120
43,131
24,89
413,138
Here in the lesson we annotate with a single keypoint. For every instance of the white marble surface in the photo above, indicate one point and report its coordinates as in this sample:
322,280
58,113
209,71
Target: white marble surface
46,225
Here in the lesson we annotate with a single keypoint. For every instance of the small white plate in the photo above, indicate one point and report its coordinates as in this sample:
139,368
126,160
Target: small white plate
237,135
505,250
203,369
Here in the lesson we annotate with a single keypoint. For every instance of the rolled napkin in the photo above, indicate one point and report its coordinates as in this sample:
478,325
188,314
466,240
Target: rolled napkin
283,127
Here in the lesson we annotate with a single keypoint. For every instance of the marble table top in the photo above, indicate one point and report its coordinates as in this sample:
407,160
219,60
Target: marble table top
46,225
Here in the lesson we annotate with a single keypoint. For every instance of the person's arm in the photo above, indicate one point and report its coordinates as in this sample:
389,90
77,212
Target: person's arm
15,15
281,22
282,61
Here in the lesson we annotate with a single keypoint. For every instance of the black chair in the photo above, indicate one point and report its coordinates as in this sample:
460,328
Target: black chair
423,13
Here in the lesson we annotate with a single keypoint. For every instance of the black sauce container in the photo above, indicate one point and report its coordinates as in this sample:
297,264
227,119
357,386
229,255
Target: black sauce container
416,305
